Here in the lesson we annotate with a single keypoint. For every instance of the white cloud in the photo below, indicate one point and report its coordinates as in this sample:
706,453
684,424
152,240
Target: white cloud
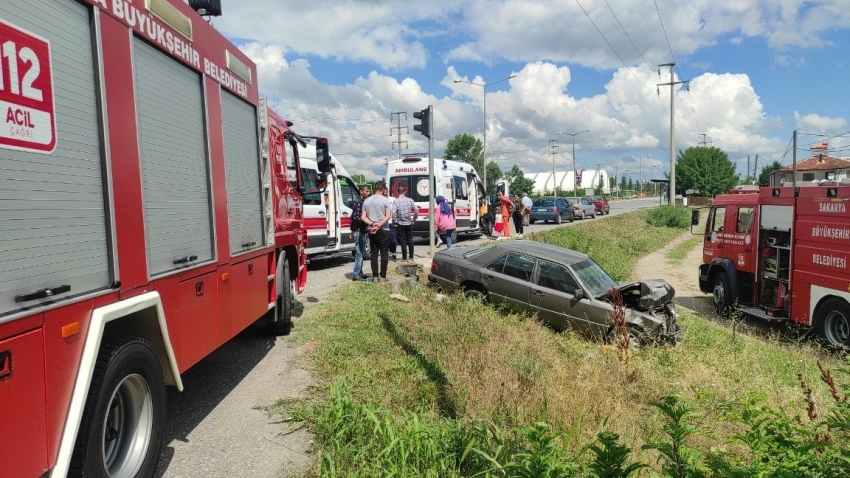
816,124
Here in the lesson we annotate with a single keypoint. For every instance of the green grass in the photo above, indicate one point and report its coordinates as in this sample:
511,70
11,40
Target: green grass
681,250
441,386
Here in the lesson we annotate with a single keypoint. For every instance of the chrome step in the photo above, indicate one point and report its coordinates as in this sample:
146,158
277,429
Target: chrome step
762,314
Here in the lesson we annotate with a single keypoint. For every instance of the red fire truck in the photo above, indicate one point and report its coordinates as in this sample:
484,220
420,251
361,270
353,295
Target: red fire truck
781,253
146,217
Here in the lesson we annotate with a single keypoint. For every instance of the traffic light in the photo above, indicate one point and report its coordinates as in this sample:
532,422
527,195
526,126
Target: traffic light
425,117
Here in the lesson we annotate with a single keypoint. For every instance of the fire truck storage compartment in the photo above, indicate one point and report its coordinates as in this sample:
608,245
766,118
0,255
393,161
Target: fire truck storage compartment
197,303
175,171
23,434
776,217
54,226
242,172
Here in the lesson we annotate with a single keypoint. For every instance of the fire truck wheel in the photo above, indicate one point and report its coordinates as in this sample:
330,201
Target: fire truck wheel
282,323
722,293
121,429
832,322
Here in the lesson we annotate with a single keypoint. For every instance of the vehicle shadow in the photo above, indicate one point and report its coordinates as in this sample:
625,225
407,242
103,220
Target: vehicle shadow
209,382
786,332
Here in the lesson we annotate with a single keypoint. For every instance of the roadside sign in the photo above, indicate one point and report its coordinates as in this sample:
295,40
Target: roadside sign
27,109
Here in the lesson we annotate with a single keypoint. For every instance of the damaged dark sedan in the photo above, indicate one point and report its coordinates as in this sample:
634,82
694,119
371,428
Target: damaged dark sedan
563,288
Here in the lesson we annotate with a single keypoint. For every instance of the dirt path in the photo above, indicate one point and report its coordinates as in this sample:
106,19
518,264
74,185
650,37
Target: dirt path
682,275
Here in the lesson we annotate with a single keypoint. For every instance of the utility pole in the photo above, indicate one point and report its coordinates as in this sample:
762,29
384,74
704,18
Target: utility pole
703,142
398,129
755,170
671,83
553,150
794,162
748,168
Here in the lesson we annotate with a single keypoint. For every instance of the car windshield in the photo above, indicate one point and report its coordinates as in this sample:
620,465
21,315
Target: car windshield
574,200
594,198
544,202
594,277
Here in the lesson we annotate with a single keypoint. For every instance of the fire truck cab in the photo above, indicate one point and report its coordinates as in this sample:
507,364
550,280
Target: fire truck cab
781,253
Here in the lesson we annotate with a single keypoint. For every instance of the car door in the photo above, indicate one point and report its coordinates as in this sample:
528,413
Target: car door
565,210
348,191
508,280
553,298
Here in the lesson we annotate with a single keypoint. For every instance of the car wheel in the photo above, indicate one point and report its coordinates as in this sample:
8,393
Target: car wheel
594,215
636,338
367,256
572,217
832,322
281,323
558,219
583,217
121,429
531,221
721,293
475,294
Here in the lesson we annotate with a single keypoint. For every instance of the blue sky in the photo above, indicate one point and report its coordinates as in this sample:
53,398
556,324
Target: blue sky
757,70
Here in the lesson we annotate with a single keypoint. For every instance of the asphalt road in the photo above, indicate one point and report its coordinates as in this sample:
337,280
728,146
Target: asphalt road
217,426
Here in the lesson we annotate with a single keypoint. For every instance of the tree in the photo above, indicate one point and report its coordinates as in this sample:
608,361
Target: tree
599,186
764,177
519,183
469,149
623,184
707,169
359,178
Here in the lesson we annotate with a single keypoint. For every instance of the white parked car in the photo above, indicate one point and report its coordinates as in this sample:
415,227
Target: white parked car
582,208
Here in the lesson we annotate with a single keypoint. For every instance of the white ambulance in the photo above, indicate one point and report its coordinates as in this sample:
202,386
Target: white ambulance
457,181
327,215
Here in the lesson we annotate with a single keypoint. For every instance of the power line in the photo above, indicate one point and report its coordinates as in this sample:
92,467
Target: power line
622,61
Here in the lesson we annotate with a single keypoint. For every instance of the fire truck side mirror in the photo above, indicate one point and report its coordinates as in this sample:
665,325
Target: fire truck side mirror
695,217
323,155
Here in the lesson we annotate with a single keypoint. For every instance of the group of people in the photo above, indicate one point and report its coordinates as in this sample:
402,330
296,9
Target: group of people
384,222
508,207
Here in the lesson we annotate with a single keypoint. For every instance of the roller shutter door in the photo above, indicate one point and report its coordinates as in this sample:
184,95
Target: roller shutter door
175,175
242,166
53,220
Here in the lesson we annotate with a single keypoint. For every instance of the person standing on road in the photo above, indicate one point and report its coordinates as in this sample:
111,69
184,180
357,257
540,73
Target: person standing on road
404,213
526,208
486,218
376,214
444,220
506,204
359,232
393,236
517,215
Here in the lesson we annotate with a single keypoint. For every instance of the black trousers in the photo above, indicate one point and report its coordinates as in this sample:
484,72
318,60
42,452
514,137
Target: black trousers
517,221
380,243
404,233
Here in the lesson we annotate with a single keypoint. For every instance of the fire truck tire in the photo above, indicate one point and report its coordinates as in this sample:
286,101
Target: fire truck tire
282,323
722,293
832,322
121,429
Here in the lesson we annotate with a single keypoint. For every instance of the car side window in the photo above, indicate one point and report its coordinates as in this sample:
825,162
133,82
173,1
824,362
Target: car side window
519,265
556,277
498,265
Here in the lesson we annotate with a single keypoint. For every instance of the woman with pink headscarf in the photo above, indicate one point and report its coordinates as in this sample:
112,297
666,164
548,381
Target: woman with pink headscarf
444,220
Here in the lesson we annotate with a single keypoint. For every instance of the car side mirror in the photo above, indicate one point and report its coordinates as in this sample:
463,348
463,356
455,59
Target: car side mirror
579,294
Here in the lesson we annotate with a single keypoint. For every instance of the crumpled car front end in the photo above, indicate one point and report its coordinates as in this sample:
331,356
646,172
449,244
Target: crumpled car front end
649,304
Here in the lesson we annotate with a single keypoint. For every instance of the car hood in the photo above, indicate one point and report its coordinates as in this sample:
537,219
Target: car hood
652,293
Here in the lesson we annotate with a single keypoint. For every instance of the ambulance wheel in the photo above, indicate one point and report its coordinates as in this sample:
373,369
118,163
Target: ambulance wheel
454,237
721,293
121,429
832,322
282,319
368,255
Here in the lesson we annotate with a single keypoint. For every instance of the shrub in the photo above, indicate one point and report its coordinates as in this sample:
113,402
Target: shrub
669,216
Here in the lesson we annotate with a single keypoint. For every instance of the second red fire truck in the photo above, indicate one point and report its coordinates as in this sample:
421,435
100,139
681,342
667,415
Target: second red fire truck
146,217
781,253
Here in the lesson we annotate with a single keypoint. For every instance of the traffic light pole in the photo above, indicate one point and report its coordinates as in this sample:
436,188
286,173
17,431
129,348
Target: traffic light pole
431,181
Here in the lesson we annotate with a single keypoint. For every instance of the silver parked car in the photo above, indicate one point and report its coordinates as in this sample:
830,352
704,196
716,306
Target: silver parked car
564,288
582,208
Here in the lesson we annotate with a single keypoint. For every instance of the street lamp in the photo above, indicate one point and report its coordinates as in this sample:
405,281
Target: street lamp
575,169
484,103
